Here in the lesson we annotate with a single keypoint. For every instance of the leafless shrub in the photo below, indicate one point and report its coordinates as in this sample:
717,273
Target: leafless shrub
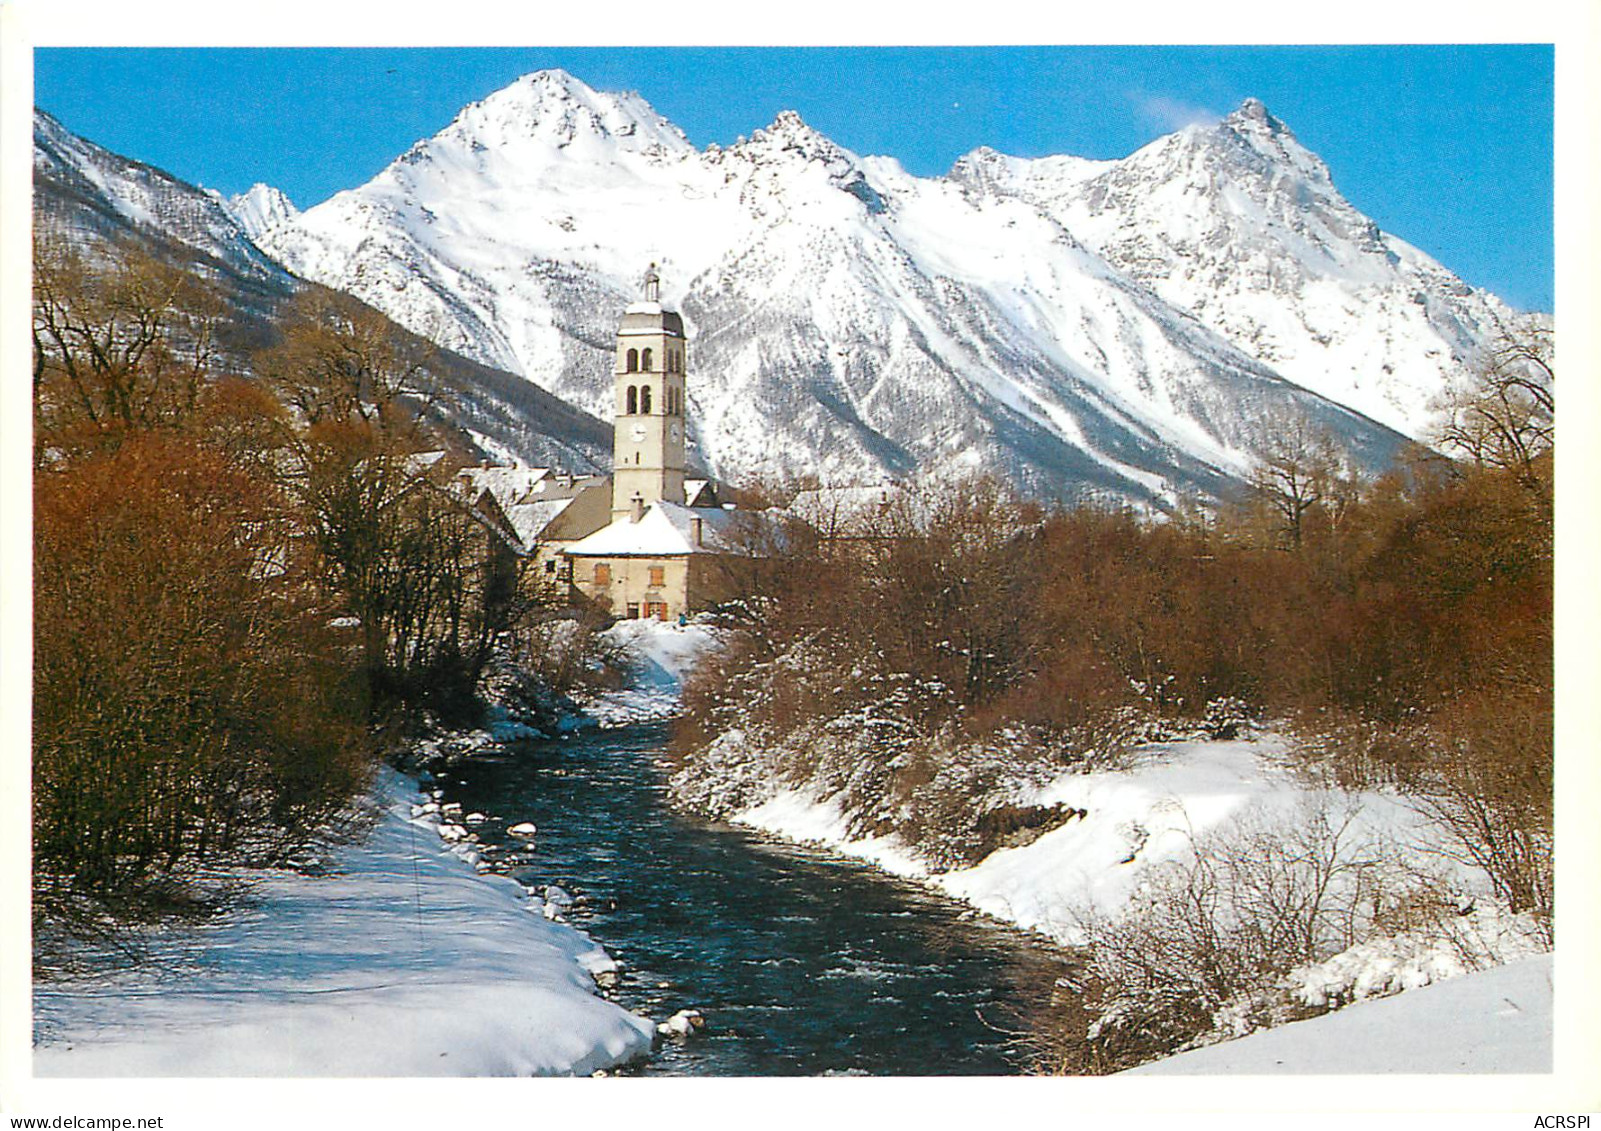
1256,901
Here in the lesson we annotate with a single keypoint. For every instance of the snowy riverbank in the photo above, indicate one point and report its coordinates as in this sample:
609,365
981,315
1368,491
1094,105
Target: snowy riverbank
661,655
401,961
1497,1020
1128,822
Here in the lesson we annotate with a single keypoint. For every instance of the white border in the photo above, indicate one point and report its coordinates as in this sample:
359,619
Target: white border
1576,1084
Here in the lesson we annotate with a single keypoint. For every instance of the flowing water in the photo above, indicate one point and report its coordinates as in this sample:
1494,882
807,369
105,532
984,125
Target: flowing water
803,962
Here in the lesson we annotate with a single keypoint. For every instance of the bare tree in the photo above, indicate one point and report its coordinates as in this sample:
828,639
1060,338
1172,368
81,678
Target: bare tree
1502,412
1299,473
123,344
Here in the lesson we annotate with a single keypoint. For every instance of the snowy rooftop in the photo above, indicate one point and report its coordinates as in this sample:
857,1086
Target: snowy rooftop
666,530
508,484
530,520
833,508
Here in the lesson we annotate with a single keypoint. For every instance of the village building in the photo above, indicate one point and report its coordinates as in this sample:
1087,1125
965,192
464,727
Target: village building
646,540
658,556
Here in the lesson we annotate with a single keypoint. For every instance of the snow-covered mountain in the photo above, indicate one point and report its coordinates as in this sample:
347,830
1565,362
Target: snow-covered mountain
95,198
93,195
847,318
1240,225
261,208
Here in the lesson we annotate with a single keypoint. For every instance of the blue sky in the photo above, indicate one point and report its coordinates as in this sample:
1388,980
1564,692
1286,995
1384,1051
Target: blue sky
1449,147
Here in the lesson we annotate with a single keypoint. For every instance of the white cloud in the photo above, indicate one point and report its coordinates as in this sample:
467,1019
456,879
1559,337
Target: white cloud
1166,113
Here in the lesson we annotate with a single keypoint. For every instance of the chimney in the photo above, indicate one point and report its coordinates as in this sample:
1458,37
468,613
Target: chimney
694,529
636,507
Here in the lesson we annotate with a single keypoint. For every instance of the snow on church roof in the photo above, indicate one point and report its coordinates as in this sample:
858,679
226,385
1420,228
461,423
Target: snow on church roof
666,530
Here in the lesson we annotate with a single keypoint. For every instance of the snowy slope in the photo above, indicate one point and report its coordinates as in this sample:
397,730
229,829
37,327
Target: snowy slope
261,208
1241,225
100,195
402,962
847,319
1135,820
1497,1020
97,199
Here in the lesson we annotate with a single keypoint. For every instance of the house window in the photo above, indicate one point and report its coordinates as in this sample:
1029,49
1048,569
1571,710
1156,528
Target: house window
550,565
644,361
602,573
658,575
644,397
633,400
633,610
633,361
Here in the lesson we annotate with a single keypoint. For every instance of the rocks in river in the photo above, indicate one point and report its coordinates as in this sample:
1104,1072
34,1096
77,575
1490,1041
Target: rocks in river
452,833
451,808
424,809
557,895
476,818
524,829
684,1023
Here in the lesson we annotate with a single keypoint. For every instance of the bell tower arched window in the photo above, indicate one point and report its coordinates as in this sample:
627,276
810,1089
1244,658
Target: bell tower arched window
644,398
633,400
644,361
633,361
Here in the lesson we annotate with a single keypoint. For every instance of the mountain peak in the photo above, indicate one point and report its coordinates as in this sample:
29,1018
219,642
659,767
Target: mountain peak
789,127
1253,118
789,135
1254,110
260,208
560,109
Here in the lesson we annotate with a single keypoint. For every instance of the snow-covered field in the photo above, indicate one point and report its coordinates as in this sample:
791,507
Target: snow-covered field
402,961
1497,1020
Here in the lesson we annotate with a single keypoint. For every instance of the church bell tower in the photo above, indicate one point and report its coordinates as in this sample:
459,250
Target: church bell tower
648,433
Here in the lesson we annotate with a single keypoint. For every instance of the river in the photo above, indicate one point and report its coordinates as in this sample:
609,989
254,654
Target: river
803,962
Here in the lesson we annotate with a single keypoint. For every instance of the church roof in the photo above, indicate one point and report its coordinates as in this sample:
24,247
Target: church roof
665,530
829,508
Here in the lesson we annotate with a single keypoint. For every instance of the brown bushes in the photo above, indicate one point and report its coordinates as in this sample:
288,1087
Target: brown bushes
189,699
1411,639
229,572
